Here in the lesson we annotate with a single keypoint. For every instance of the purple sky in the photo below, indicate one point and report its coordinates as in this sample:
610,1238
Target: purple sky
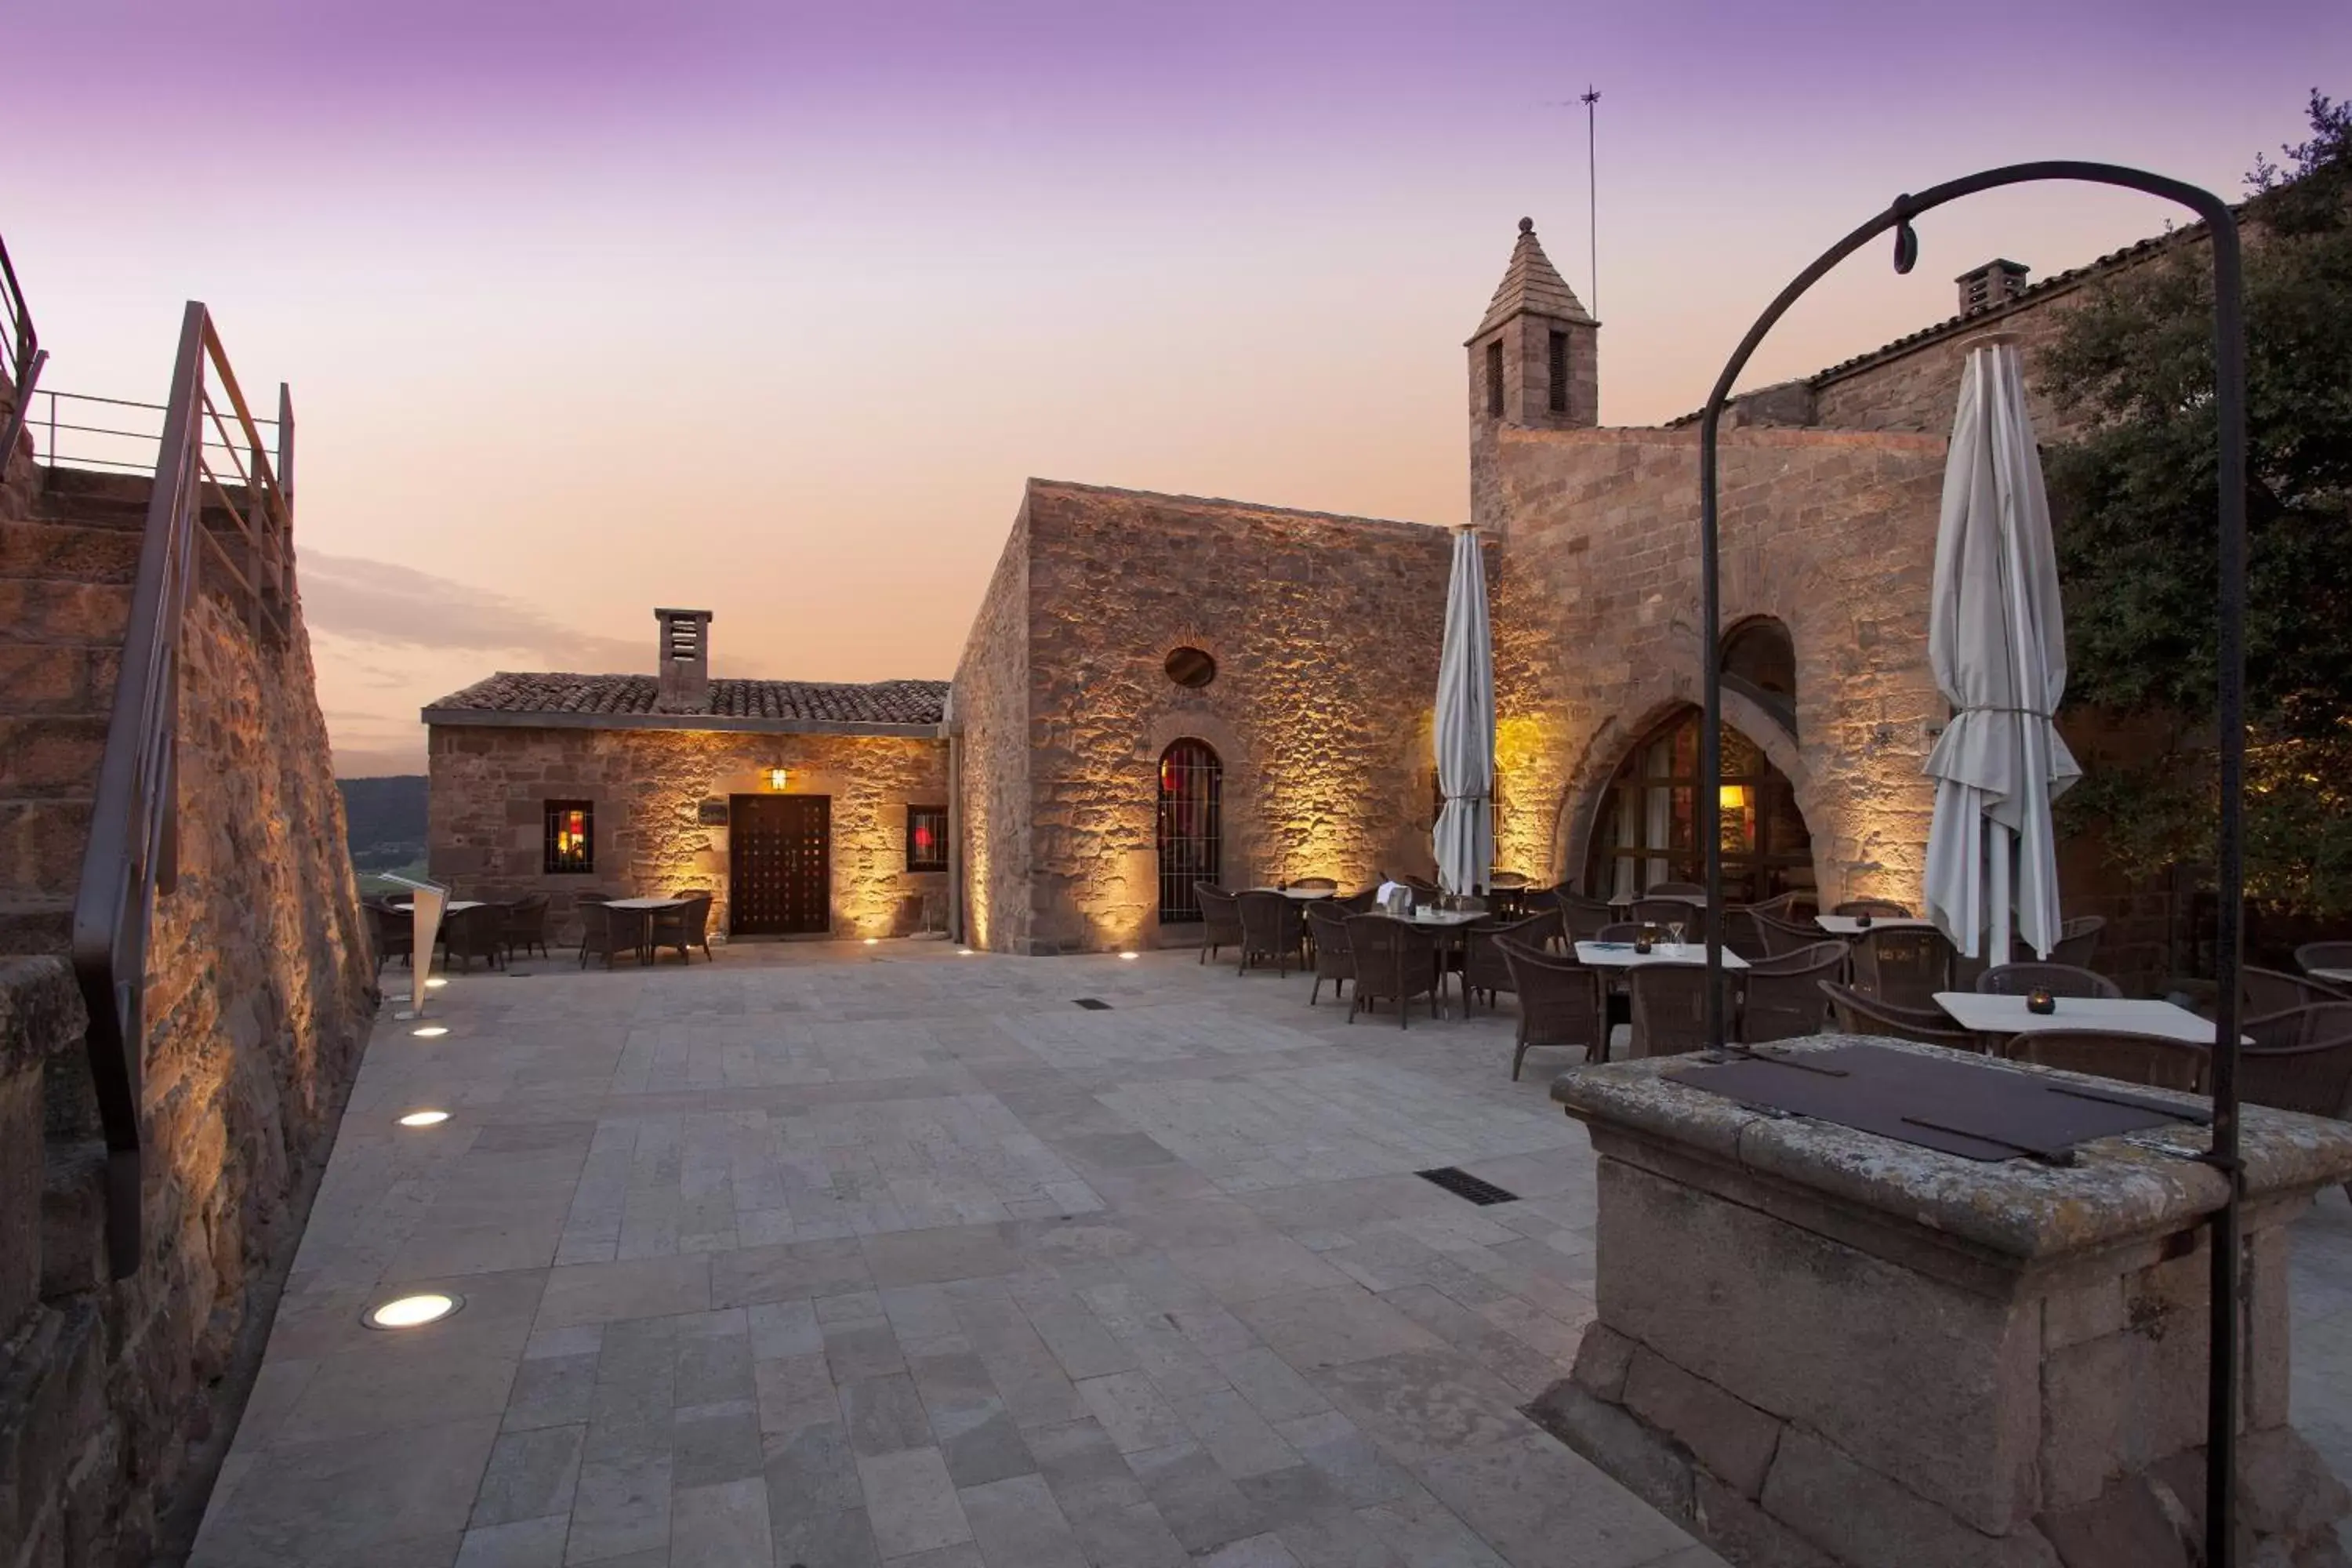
771,309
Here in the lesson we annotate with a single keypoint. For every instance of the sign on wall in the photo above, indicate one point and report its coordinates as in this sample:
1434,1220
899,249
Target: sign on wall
713,812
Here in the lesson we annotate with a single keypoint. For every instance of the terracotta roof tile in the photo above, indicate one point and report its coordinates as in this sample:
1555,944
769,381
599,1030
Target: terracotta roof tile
871,702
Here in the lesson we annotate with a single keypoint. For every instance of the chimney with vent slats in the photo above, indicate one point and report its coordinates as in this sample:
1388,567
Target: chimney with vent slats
1994,284
685,667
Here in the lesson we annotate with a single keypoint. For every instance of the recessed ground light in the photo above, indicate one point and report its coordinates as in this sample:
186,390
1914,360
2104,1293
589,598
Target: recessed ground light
431,1031
424,1118
1130,955
435,982
413,1312
963,952
872,941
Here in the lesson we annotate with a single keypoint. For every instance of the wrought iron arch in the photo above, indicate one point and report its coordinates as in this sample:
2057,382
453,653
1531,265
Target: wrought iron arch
1188,825
2230,418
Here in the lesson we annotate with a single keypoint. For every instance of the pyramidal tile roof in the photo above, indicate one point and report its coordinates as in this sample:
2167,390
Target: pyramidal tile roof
1531,284
873,702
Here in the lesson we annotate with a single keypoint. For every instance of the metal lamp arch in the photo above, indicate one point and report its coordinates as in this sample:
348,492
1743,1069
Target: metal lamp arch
2229,410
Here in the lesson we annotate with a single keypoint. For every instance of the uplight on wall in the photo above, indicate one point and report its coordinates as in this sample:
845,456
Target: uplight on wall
779,777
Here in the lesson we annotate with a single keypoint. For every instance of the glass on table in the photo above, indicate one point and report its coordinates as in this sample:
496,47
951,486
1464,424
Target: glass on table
1675,935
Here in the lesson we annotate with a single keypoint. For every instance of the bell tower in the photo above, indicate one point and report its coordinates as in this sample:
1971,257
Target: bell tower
1533,360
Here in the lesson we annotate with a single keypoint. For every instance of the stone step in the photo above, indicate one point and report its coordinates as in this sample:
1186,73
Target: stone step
100,500
58,610
51,755
36,924
41,843
75,552
70,678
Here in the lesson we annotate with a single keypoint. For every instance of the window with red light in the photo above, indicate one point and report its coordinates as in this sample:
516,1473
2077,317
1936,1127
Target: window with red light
927,839
571,837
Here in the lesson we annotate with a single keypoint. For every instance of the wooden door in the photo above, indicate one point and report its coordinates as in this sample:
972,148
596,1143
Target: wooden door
781,865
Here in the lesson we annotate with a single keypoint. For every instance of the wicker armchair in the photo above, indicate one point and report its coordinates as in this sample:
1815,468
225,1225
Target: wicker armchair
1797,908
1482,968
1584,917
1783,998
2314,955
1663,913
2314,1079
2156,1060
1560,1003
2058,979
1782,938
1220,920
1877,909
478,932
1271,927
1334,960
608,933
684,928
1855,1014
1682,889
1669,1008
1361,903
1394,960
394,934
2275,989
526,925
2078,938
1617,931
1903,965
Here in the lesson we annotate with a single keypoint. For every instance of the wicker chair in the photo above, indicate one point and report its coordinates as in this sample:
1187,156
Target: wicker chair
2275,989
1271,927
2314,955
1584,917
2078,938
1669,1008
1780,938
1482,968
2058,979
526,925
1740,935
1783,997
394,934
1662,913
1315,885
1334,960
2314,1079
478,932
1422,888
1619,931
1855,1014
1220,920
1393,959
1877,909
1796,908
684,928
1903,965
1682,889
1360,903
608,933
1560,1003
2156,1060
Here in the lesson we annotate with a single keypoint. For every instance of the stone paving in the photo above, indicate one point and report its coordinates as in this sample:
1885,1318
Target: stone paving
840,1256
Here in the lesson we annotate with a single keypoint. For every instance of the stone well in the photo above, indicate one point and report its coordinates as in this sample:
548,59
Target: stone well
1818,1346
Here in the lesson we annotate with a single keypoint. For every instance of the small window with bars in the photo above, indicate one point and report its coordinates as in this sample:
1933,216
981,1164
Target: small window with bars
1558,347
571,837
927,839
1495,379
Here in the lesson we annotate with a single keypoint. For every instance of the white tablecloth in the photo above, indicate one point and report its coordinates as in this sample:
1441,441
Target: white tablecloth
1850,925
1986,1014
1621,955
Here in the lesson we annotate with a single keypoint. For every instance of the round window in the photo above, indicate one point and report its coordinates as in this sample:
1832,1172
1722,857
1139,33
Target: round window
1191,667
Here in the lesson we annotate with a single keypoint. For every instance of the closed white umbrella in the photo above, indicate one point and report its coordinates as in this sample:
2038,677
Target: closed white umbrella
1997,636
1464,838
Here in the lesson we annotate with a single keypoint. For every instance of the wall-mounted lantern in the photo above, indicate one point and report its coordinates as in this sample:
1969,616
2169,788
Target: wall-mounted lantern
778,778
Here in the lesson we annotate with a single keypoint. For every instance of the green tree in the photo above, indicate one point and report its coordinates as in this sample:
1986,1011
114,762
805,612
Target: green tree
2135,496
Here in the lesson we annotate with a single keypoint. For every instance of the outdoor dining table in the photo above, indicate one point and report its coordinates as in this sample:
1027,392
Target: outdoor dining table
1627,900
455,906
646,931
1983,1013
1621,955
2335,976
1451,928
1301,895
1851,925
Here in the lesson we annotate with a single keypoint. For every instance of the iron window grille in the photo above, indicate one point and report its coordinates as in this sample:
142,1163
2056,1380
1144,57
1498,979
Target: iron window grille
571,837
1558,351
927,839
1190,832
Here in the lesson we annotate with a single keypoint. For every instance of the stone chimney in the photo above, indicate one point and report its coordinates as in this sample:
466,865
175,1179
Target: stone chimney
685,661
1994,284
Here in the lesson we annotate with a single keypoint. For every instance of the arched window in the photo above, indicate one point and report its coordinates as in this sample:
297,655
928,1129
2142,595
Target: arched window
1191,787
1759,662
1647,829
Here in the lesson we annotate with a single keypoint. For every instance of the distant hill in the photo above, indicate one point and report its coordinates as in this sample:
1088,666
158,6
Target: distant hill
385,817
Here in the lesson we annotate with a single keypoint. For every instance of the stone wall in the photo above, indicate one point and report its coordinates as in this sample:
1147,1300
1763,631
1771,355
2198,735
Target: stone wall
491,784
1831,532
259,987
1324,630
989,714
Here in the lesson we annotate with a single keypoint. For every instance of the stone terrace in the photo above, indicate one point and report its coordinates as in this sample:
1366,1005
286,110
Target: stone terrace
834,1256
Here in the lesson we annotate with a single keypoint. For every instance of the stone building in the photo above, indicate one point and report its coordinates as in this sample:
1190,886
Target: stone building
806,808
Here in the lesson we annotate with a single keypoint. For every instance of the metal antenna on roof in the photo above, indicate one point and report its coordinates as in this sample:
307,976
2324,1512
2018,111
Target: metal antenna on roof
1590,99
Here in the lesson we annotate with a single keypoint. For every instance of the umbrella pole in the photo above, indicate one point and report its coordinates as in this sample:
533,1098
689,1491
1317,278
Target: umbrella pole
2001,850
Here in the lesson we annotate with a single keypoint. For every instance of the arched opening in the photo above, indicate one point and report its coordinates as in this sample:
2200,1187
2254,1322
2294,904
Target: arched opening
1759,662
1646,830
1190,831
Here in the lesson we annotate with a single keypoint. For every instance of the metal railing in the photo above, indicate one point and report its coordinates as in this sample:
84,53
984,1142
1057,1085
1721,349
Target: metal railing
221,504
26,356
82,430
